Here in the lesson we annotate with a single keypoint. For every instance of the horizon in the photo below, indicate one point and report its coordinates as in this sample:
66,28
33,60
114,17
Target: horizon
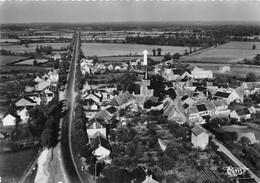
89,12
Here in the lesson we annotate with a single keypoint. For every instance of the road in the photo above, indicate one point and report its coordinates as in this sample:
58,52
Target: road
66,149
234,159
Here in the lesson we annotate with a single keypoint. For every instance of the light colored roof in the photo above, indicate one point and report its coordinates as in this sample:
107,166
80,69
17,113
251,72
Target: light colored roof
240,91
193,110
210,106
37,79
220,103
121,99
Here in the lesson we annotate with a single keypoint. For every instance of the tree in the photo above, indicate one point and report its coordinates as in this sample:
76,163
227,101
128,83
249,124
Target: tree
230,136
46,138
176,56
172,151
148,104
167,56
251,77
253,47
154,52
159,51
165,163
245,141
186,52
81,138
78,125
35,63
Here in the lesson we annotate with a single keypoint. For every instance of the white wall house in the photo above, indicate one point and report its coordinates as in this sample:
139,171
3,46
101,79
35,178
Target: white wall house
9,120
199,137
94,127
24,115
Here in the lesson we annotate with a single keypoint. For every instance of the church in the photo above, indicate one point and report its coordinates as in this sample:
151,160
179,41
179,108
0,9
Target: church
145,92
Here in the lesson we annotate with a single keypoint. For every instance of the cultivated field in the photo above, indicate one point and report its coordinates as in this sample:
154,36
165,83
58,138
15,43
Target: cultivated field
31,47
230,53
8,59
30,61
112,49
127,58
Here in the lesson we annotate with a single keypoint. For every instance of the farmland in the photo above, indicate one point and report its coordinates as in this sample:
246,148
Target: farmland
228,53
30,61
31,47
112,49
126,58
8,59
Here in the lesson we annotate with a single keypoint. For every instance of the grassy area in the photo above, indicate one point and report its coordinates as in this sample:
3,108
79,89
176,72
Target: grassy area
230,53
31,47
8,59
126,58
110,49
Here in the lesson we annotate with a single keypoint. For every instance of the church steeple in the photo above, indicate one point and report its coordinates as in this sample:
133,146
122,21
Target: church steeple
145,52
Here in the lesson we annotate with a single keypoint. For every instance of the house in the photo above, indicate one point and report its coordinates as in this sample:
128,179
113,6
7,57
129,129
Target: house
193,113
54,75
122,100
45,77
187,100
107,113
25,102
228,96
38,79
211,108
96,125
254,109
224,69
100,146
24,115
96,96
221,107
142,174
241,114
9,120
199,73
85,69
42,85
202,109
199,137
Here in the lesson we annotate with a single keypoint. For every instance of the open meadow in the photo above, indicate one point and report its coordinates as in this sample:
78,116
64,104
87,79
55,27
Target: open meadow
231,52
31,47
30,61
112,49
9,59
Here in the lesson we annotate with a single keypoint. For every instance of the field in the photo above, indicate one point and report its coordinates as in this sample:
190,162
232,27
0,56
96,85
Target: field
8,59
230,53
31,47
30,61
243,130
14,164
112,49
126,58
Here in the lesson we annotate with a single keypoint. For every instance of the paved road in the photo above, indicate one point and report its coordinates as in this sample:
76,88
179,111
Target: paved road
234,159
66,150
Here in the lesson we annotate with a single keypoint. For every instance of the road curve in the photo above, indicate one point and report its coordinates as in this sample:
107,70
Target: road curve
66,149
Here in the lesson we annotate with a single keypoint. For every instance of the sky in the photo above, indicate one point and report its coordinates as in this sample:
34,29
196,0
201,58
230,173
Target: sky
127,10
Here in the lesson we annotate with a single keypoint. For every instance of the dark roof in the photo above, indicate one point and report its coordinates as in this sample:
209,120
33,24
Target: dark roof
185,106
88,102
121,99
201,107
222,94
168,83
200,88
197,130
111,109
140,173
97,120
99,140
184,97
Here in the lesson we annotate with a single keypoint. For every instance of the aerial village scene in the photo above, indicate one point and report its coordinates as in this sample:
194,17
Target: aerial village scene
110,99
